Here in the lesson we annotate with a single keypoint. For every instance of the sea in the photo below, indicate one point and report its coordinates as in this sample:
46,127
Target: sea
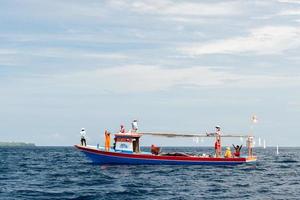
65,173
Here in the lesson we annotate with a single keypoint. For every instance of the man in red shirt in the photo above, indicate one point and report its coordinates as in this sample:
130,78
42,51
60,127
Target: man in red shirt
237,150
218,147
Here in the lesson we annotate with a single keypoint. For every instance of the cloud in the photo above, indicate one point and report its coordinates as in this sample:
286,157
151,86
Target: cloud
179,11
57,9
98,11
7,51
186,8
55,52
142,78
294,105
265,40
289,1
289,12
73,53
48,60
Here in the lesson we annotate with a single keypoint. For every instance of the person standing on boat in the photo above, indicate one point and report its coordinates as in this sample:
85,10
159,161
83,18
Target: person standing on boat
122,129
218,130
107,140
115,143
218,147
134,126
216,133
83,137
250,146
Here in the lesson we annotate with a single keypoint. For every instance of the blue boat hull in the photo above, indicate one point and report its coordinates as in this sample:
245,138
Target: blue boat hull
102,157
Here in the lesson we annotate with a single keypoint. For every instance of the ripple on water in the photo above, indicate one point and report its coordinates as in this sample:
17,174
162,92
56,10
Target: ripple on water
64,173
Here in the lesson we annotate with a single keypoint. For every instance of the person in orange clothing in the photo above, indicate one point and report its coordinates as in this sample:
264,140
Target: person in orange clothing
107,140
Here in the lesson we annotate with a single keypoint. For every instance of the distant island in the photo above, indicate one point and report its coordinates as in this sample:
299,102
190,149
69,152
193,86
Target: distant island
16,144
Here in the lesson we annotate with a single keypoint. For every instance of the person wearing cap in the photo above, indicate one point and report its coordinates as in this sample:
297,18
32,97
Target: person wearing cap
218,130
83,137
122,129
134,126
228,153
216,133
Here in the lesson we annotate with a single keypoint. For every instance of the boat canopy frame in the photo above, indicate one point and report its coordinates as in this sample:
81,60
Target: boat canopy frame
166,134
212,135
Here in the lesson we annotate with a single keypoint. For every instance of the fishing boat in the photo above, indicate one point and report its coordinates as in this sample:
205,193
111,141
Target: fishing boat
126,150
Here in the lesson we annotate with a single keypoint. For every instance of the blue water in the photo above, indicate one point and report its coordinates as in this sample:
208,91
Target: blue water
64,173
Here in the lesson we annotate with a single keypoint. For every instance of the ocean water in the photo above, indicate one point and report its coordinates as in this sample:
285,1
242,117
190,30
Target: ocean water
65,173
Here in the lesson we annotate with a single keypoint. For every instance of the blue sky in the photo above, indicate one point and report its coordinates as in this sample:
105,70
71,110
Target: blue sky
174,65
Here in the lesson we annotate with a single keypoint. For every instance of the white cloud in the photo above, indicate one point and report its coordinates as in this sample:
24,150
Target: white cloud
289,1
289,12
293,105
62,53
7,51
187,8
266,40
140,78
62,10
180,8
64,36
74,53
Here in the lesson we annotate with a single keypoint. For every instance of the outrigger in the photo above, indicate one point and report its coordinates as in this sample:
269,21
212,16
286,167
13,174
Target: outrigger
126,150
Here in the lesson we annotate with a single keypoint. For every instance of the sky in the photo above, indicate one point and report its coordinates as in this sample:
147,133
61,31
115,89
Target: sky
179,66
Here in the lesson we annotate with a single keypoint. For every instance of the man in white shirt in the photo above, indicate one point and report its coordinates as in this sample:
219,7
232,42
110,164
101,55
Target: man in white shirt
83,136
134,126
218,130
217,133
